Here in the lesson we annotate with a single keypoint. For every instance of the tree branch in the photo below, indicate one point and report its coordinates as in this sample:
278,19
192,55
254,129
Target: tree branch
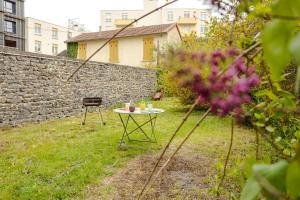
173,155
228,155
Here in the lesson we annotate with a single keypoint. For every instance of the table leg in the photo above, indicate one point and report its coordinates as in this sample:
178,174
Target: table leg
140,127
125,129
153,123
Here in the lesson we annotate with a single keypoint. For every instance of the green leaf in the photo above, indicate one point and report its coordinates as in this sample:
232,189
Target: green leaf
293,180
294,48
267,93
276,39
297,135
251,189
259,124
270,129
287,8
258,115
275,174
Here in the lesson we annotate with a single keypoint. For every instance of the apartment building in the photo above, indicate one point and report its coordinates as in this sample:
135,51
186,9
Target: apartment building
12,24
187,19
47,38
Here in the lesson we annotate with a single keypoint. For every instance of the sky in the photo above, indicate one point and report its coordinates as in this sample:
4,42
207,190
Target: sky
87,11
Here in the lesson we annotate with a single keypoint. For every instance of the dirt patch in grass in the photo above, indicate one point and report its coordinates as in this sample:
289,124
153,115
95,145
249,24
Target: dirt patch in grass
187,177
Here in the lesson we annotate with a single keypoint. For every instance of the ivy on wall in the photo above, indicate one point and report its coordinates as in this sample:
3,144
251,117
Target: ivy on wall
72,49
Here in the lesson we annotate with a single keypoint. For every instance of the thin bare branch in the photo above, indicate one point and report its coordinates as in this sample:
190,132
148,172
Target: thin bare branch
228,155
168,145
173,155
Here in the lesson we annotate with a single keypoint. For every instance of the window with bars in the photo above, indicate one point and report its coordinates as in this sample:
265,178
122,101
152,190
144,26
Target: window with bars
10,26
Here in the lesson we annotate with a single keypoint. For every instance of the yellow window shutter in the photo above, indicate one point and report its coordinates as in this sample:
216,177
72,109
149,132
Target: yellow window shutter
114,51
82,51
148,49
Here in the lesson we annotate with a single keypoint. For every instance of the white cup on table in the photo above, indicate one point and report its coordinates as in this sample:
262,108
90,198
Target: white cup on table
127,105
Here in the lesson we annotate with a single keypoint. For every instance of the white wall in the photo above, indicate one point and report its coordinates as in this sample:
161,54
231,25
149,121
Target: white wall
46,36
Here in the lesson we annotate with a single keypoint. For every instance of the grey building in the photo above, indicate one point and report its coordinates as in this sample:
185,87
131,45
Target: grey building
12,24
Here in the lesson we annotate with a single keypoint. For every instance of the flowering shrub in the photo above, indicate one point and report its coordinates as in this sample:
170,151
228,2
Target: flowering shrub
219,79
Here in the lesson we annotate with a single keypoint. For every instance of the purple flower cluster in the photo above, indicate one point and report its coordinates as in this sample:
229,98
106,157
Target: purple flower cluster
220,79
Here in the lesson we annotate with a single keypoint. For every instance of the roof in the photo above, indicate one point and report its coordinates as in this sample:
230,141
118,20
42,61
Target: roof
129,32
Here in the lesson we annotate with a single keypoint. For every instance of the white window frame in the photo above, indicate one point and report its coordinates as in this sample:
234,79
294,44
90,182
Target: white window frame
37,46
37,29
54,49
55,33
187,14
124,16
170,15
203,16
108,18
202,29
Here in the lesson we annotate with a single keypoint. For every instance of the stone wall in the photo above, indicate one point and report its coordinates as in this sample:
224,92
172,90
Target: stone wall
34,88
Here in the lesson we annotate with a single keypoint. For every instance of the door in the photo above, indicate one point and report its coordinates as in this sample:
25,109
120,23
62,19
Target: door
82,51
114,51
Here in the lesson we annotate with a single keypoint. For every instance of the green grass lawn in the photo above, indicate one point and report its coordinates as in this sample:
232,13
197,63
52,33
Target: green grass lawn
59,159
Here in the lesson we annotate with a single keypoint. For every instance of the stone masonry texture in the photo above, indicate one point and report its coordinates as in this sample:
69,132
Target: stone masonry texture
33,87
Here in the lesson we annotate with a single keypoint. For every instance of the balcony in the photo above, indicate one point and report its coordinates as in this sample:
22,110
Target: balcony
123,22
187,21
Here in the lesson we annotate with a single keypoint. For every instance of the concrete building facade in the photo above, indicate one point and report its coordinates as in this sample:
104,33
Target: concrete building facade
188,19
12,24
47,38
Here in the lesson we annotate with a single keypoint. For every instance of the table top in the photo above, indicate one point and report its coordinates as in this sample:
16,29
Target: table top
139,111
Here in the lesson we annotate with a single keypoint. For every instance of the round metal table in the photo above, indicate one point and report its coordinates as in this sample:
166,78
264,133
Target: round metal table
126,116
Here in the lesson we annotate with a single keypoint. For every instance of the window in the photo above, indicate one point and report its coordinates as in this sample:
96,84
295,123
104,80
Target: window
69,35
10,7
38,46
82,51
54,49
203,29
203,16
187,14
108,17
114,51
124,16
148,49
38,29
10,26
10,43
54,33
170,16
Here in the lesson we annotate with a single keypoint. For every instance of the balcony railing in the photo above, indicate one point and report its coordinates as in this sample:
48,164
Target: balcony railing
184,20
123,22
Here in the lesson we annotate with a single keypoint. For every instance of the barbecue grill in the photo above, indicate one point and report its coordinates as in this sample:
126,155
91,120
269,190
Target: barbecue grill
92,102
